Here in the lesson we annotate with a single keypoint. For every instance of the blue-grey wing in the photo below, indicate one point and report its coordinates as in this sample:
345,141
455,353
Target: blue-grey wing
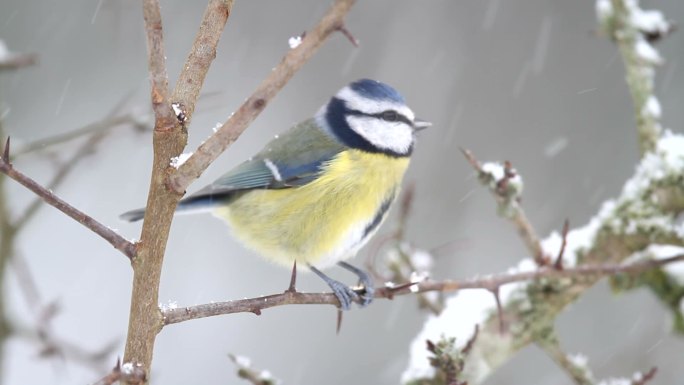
290,160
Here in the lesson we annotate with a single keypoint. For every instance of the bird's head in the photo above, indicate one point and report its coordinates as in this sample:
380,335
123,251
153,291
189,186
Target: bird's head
371,116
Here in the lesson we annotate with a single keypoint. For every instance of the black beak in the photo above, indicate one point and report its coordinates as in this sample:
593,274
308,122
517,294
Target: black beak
420,125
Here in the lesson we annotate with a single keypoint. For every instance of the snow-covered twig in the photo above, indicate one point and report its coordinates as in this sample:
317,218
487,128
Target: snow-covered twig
645,213
247,372
506,186
634,31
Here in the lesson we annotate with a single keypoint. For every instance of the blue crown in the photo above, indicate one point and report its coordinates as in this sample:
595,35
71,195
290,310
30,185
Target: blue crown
373,89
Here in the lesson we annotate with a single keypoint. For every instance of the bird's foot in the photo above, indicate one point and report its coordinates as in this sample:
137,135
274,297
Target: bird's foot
367,291
345,294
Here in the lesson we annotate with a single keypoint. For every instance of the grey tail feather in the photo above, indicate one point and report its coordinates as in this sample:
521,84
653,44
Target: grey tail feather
133,215
190,204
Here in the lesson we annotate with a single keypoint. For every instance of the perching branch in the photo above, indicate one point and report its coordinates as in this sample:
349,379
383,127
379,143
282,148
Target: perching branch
116,240
295,58
170,138
491,283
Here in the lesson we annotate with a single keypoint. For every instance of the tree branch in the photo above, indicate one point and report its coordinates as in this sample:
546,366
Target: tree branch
256,305
621,21
202,54
159,80
13,61
169,140
92,128
116,240
250,109
506,186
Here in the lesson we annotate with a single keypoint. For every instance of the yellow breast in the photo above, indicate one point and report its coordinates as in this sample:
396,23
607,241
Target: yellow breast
324,221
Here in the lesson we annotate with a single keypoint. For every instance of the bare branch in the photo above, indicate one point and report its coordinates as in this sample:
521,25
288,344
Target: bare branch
116,240
51,344
574,367
507,197
202,53
247,372
564,243
640,59
491,283
99,131
164,117
91,128
14,61
646,377
250,109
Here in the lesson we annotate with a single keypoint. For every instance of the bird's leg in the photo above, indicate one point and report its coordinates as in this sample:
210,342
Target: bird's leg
365,280
345,294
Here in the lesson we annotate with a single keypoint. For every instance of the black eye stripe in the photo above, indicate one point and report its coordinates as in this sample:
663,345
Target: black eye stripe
400,117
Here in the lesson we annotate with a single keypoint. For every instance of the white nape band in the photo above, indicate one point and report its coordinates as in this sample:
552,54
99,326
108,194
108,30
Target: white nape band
274,169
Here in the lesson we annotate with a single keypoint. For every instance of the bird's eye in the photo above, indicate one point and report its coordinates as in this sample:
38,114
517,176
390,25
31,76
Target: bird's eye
390,116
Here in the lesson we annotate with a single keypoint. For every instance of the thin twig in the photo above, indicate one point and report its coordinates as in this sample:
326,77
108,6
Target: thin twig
164,118
52,345
201,55
116,240
490,283
113,376
98,131
15,61
559,260
580,374
265,92
639,67
516,213
91,128
646,377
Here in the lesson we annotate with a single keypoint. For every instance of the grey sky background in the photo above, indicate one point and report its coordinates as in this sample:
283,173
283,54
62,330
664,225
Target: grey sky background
526,80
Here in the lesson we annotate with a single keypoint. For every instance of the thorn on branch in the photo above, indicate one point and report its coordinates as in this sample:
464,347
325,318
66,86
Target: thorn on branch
471,159
129,373
499,309
645,378
343,29
111,377
339,321
471,342
558,265
293,279
6,152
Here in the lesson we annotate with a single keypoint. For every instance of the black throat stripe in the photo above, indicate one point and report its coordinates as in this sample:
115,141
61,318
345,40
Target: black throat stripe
379,215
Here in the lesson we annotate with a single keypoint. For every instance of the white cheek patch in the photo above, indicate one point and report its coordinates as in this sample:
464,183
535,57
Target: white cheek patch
354,101
394,136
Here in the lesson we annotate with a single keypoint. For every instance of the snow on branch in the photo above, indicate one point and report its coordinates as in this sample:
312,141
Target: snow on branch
645,213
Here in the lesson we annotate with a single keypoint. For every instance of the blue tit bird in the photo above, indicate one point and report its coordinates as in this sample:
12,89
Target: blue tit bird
317,193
